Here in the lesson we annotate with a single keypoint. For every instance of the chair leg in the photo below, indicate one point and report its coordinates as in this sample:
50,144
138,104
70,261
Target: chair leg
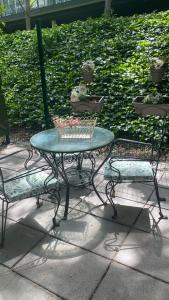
38,203
110,193
158,200
3,225
56,209
7,139
30,155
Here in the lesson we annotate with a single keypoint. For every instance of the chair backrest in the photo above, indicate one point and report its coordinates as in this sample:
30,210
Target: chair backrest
130,149
153,134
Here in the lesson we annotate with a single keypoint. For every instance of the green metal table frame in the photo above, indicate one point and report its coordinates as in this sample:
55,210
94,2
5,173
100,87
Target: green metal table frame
59,152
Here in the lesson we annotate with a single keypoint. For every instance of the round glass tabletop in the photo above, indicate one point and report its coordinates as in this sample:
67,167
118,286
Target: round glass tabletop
50,141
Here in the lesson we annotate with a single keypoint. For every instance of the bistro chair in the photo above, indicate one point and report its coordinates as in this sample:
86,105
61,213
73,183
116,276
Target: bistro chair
132,161
25,184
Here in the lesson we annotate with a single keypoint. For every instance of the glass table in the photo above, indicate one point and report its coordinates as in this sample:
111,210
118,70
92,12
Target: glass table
74,160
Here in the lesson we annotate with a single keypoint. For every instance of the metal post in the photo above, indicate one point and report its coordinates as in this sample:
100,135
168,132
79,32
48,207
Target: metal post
4,125
42,73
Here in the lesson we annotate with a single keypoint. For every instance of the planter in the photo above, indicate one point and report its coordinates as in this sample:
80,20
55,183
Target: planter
150,109
87,76
92,104
157,74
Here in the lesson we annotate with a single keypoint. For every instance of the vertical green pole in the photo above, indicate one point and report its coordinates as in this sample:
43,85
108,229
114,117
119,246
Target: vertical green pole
42,73
4,125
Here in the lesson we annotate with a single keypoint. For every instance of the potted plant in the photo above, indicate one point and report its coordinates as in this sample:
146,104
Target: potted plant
157,69
88,71
152,105
80,100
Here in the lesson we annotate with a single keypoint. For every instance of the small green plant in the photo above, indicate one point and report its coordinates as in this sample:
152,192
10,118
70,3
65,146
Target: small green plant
158,63
154,99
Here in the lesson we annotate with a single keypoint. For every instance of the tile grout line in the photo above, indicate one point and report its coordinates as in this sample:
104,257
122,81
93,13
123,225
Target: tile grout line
140,271
37,284
111,262
100,281
34,282
132,227
62,239
27,252
116,261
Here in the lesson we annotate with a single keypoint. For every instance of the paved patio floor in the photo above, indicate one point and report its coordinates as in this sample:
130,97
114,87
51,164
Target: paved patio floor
90,256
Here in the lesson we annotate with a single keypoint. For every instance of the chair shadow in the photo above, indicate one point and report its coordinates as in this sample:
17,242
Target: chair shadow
52,245
79,227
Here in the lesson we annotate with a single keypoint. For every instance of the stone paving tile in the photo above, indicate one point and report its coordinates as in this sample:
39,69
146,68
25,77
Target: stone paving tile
149,221
160,171
138,192
56,265
10,149
7,172
164,193
10,205
164,181
75,194
19,240
13,163
64,269
123,283
27,213
15,287
75,198
24,155
100,236
16,162
98,180
127,211
163,166
146,252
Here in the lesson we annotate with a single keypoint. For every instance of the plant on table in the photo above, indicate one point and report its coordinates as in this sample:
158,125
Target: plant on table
65,122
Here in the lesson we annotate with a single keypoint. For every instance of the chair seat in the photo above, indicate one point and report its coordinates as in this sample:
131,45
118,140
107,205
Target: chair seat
28,186
130,170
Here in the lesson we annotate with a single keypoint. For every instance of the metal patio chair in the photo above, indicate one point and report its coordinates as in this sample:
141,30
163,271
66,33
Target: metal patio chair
132,161
25,184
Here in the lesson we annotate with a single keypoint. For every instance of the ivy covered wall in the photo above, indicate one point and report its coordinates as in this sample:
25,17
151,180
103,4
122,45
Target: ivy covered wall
122,49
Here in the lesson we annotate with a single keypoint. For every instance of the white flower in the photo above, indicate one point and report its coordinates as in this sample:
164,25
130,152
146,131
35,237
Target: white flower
74,95
78,91
82,89
157,63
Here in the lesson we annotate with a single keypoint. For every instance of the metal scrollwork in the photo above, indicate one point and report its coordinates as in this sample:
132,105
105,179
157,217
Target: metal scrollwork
76,169
110,193
70,158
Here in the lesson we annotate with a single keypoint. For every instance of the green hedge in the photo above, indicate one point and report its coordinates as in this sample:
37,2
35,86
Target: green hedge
121,48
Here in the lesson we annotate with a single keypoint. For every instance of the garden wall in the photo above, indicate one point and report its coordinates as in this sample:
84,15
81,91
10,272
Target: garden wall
122,49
